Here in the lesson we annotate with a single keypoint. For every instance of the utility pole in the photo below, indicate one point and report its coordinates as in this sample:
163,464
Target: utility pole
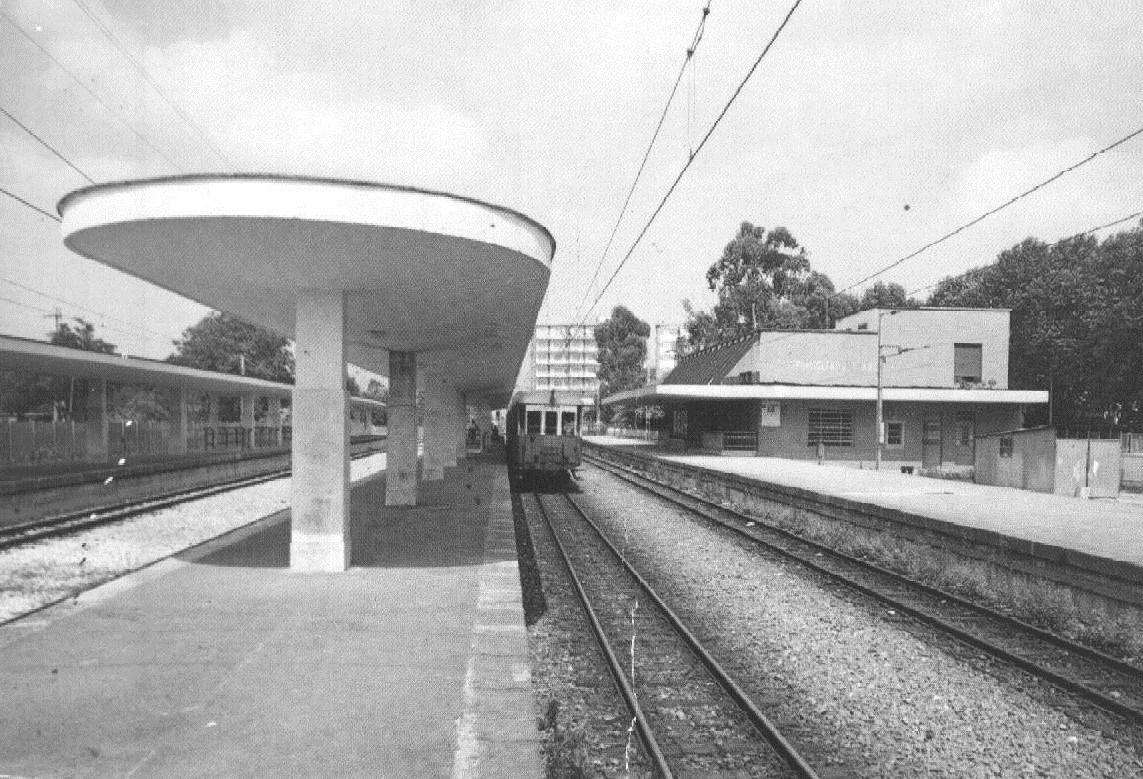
880,359
58,316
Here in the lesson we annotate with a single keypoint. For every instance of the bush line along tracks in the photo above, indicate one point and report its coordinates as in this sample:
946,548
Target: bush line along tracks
65,524
1108,682
677,692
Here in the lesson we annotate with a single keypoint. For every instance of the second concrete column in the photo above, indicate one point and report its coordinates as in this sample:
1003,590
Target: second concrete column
401,447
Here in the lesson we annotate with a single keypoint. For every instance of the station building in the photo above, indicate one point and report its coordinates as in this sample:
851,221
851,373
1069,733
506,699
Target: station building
809,394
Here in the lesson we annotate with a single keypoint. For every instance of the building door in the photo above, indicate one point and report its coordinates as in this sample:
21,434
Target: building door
931,442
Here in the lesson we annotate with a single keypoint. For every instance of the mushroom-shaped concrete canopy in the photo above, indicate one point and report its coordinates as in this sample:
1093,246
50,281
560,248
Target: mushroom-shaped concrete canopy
456,280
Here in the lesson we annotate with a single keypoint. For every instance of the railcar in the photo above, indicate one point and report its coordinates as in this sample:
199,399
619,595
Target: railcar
543,431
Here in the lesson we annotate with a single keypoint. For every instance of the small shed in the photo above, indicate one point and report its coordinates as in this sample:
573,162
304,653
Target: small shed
1037,459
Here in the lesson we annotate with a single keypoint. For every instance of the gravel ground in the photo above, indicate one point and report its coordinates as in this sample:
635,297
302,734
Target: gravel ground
584,721
864,695
41,573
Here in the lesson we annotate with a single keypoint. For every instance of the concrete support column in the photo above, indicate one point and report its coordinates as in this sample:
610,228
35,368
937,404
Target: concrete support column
319,527
401,447
448,434
274,419
182,426
461,426
98,434
436,429
248,418
483,422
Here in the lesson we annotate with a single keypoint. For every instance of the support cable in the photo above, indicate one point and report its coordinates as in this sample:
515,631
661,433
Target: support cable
19,199
1000,207
1089,231
695,154
46,145
147,77
31,39
654,136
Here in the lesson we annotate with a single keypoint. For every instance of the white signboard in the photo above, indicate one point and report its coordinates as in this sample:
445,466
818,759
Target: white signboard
770,415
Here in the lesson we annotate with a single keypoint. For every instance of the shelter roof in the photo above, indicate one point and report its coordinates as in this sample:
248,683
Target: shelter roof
666,393
456,280
38,357
710,365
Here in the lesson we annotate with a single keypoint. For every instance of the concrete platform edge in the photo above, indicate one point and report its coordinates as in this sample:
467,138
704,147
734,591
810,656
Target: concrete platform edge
497,735
1115,579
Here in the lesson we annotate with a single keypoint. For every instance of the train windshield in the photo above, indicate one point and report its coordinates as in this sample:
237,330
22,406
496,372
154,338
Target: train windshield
567,423
535,419
551,421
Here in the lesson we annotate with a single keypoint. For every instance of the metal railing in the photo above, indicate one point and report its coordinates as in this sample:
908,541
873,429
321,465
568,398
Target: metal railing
739,441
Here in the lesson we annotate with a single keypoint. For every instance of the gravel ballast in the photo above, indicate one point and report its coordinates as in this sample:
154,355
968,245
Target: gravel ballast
860,692
46,571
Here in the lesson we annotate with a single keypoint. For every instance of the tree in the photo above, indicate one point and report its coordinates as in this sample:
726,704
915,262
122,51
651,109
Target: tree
82,336
886,295
622,349
764,281
24,393
223,343
1077,326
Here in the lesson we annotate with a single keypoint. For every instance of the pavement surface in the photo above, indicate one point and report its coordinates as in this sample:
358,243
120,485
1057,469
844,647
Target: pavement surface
1108,529
224,663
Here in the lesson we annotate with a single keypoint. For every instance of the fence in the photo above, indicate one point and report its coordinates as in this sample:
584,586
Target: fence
30,442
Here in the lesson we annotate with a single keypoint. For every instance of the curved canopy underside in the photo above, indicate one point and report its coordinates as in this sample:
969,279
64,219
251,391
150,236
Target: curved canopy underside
456,280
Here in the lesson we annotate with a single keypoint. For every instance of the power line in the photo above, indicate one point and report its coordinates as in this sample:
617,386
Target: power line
654,136
19,199
31,39
1000,207
75,305
46,145
1089,231
695,153
147,77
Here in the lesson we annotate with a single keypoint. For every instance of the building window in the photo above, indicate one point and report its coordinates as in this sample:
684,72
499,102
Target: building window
895,434
831,427
1006,446
967,363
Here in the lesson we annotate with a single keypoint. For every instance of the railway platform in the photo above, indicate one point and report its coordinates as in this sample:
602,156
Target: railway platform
225,662
1089,537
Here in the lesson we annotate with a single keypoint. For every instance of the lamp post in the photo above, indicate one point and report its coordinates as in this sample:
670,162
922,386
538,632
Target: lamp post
880,410
880,360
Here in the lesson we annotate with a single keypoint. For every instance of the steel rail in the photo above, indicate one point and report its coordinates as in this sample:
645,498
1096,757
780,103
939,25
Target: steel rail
12,536
761,722
1078,688
613,664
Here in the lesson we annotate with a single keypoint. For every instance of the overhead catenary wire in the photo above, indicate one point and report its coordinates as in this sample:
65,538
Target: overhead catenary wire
114,40
46,145
79,307
696,39
1089,231
995,210
114,114
694,155
30,205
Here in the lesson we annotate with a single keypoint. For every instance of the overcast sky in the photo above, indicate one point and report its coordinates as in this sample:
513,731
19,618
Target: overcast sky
861,109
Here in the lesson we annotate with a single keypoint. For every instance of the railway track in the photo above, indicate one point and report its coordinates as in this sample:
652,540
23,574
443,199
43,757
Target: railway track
1112,684
690,716
65,524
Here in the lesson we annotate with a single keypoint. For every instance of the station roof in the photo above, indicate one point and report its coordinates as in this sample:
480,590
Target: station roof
23,354
454,279
667,393
38,357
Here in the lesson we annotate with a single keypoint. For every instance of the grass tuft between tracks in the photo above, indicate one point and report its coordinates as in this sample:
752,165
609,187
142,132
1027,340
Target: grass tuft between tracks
565,745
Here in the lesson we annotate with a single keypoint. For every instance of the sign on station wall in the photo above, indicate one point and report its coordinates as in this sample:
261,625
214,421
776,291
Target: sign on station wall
770,415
